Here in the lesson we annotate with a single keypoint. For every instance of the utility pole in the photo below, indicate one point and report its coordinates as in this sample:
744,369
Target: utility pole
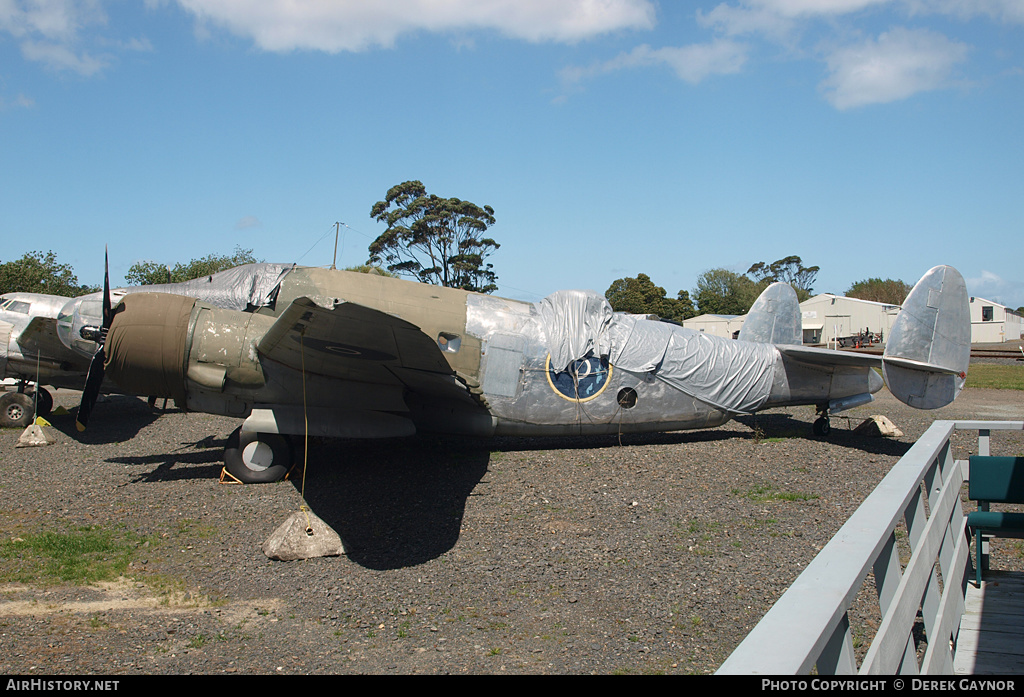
337,226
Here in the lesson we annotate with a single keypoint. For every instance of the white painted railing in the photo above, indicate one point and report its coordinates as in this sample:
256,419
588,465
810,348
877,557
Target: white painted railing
809,626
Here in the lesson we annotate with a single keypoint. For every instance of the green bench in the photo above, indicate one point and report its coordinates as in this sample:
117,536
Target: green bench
994,480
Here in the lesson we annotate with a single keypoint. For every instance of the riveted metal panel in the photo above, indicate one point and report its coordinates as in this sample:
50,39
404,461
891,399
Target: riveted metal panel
503,364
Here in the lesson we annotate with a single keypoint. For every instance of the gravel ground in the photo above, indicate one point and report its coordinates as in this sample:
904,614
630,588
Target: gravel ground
653,555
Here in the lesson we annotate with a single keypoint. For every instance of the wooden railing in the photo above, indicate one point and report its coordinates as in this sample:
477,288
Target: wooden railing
809,627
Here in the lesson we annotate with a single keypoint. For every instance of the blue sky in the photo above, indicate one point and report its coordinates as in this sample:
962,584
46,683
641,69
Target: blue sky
873,138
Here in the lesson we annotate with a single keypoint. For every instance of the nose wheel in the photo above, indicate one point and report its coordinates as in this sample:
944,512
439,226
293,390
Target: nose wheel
822,427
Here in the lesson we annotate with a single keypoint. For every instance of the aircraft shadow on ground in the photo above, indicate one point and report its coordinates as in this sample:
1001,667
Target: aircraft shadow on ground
395,503
782,425
399,503
115,419
201,460
524,444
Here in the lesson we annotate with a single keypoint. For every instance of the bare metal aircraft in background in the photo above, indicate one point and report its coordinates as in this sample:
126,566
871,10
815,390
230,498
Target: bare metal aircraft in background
31,355
343,354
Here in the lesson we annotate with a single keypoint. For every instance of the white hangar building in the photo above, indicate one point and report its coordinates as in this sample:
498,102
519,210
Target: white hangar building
992,323
717,325
827,317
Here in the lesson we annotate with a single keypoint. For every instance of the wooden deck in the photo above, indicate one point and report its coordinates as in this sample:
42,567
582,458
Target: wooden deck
991,639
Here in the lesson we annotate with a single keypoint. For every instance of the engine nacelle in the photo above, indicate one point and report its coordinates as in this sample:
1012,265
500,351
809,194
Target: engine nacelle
163,345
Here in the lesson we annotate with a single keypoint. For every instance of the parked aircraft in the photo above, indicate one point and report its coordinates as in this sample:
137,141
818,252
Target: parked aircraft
344,354
31,353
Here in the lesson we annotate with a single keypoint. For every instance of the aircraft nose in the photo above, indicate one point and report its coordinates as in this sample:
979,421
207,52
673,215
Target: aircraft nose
875,382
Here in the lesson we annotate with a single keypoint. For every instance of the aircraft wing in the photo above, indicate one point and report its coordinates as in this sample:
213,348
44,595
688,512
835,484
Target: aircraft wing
357,343
40,337
819,356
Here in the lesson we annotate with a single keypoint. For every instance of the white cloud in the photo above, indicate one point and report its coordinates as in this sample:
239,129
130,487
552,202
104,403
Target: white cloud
356,25
777,18
54,20
60,57
691,63
248,222
50,31
999,10
20,102
902,62
991,286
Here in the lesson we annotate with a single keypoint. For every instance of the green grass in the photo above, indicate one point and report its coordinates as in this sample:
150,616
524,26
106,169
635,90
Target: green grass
86,555
1000,377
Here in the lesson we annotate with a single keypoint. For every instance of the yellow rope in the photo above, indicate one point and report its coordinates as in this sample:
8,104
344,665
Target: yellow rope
305,423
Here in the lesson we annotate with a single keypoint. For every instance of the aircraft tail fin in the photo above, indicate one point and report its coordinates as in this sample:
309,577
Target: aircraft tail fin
929,348
774,317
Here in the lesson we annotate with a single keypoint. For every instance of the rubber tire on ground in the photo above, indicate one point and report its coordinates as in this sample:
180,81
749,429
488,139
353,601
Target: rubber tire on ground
276,445
822,427
16,410
45,400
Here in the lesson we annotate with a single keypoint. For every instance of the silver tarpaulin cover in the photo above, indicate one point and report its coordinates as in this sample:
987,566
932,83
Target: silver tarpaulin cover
733,376
241,288
574,321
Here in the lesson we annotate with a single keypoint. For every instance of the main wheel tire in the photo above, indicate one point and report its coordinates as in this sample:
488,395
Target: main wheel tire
45,405
822,427
15,410
262,459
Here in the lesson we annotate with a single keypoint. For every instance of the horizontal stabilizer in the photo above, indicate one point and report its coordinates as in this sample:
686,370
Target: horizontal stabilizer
917,365
929,348
828,357
774,317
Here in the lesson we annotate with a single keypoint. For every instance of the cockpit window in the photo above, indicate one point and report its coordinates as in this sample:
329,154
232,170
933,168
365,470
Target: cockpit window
91,308
18,306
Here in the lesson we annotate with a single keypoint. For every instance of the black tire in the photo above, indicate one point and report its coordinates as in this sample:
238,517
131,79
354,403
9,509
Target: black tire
16,410
241,464
45,405
822,427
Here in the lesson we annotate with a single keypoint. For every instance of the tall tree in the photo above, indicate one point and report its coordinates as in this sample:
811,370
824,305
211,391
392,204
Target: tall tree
147,273
640,296
433,239
789,270
724,292
888,291
36,272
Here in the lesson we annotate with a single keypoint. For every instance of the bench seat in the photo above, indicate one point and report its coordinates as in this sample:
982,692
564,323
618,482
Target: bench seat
994,480
997,521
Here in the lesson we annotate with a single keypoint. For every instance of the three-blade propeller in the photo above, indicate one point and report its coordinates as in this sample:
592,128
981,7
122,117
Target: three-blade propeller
98,364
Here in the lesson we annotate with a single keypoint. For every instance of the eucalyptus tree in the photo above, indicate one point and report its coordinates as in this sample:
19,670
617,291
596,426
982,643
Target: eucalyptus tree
434,239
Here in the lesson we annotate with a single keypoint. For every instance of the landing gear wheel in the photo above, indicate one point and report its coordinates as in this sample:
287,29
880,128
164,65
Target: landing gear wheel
15,410
45,405
257,458
822,427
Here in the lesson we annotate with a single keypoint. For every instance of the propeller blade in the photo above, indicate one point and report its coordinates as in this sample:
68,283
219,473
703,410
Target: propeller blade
108,314
92,389
96,367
